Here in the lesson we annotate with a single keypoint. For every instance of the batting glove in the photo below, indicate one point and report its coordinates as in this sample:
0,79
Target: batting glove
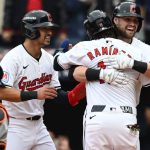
113,77
119,62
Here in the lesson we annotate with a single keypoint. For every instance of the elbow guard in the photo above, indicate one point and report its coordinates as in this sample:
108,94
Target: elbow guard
56,65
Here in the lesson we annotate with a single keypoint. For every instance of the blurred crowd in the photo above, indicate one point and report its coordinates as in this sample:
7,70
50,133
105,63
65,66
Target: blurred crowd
70,15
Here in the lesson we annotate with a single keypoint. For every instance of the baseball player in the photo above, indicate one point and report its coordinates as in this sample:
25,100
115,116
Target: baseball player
125,17
18,135
110,116
123,14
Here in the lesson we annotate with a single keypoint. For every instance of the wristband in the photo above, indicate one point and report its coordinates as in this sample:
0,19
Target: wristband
92,74
140,66
28,95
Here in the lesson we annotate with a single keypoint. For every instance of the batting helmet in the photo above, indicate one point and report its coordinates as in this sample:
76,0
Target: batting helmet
35,19
96,23
128,9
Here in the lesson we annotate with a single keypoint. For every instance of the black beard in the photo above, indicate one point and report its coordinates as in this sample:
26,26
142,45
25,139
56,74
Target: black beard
122,34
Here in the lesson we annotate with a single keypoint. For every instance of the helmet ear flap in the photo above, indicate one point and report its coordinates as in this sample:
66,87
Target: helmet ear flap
140,25
88,28
30,32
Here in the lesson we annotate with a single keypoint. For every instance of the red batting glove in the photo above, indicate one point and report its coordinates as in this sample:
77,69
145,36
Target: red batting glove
77,94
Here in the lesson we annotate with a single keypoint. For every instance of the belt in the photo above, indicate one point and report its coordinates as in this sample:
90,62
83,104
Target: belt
34,118
104,108
30,118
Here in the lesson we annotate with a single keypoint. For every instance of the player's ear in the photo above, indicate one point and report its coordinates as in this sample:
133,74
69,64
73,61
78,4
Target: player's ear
115,20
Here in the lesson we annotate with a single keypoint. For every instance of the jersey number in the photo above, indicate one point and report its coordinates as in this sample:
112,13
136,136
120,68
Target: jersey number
102,66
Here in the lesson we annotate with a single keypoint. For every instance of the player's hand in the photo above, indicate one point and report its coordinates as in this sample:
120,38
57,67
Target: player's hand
114,77
121,61
47,93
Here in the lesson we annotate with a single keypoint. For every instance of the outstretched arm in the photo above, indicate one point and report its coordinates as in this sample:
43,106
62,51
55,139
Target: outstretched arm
10,94
14,95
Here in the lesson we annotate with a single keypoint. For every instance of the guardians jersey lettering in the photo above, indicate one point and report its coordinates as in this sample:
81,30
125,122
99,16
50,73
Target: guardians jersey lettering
37,83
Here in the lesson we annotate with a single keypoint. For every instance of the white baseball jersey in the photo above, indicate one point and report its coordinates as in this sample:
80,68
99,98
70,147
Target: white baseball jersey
139,45
145,48
91,54
25,73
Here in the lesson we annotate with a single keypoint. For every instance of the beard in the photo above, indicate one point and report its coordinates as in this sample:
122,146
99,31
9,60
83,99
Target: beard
124,34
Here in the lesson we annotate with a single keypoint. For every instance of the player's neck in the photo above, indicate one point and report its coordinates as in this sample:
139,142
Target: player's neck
32,48
127,40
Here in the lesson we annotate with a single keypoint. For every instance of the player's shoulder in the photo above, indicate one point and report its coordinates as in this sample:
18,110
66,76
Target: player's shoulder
14,52
46,54
16,49
115,42
138,43
143,47
108,40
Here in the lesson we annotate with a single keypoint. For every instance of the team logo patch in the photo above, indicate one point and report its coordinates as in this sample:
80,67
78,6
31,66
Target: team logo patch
5,77
133,8
126,109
